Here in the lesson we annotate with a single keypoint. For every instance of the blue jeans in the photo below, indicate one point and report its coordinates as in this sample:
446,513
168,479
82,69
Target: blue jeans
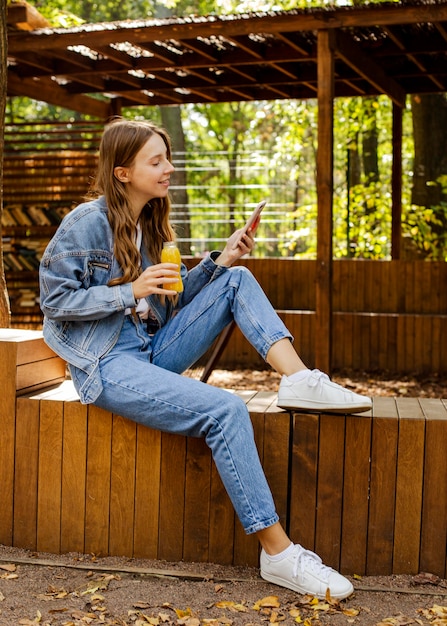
141,382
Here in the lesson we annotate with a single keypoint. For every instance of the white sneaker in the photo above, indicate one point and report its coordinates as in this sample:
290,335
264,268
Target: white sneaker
303,571
316,392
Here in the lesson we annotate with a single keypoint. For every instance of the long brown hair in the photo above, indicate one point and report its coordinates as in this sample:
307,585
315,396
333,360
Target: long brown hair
121,141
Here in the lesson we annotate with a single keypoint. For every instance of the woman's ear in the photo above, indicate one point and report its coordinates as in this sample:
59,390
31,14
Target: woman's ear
122,174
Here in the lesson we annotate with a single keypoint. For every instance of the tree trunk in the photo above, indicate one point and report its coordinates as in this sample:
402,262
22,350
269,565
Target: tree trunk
430,156
370,142
5,315
171,120
430,166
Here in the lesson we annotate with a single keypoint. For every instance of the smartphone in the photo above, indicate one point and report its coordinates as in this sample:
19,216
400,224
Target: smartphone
255,218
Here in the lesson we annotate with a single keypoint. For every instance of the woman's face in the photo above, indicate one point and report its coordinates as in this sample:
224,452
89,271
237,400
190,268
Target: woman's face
149,175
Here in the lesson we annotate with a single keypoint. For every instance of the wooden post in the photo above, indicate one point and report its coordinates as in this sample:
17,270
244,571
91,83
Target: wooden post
396,184
325,158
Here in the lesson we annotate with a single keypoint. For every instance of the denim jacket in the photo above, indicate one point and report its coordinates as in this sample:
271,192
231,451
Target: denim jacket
83,316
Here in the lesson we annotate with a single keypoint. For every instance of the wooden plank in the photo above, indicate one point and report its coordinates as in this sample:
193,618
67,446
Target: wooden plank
356,494
147,492
409,486
330,489
97,509
385,430
122,486
437,347
222,522
276,458
31,376
31,347
246,547
401,351
377,342
303,484
365,340
172,497
197,501
26,474
388,360
50,476
74,461
8,355
434,501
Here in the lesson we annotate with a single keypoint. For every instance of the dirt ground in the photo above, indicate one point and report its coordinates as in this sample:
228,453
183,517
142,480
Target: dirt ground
76,589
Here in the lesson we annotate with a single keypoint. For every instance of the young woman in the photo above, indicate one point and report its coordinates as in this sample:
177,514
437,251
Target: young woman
127,336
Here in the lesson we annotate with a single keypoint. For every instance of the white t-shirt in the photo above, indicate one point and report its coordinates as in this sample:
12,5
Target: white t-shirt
142,307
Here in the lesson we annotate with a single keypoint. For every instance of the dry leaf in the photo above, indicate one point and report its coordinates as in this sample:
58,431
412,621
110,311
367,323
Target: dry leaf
8,567
267,602
181,613
232,606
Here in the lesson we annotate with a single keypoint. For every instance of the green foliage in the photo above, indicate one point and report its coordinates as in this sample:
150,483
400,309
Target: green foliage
427,227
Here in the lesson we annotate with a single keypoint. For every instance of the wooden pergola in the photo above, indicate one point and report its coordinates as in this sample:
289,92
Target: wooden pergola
394,49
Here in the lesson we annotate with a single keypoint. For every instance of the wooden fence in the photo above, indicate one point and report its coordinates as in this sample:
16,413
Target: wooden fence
387,315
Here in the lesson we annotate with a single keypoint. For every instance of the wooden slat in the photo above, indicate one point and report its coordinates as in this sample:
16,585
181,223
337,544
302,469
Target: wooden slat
73,486
33,376
122,486
7,436
97,497
276,457
172,497
246,547
409,481
50,476
330,489
197,501
304,472
385,429
26,474
222,522
147,492
434,508
356,494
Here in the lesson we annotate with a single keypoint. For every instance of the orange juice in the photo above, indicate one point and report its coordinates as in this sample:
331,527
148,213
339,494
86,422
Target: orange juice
171,254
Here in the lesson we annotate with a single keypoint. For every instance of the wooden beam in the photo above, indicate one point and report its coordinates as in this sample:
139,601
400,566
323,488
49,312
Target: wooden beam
25,17
37,90
325,163
155,29
396,184
354,56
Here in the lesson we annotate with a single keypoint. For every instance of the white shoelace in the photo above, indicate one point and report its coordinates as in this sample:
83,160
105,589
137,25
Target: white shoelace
307,559
316,378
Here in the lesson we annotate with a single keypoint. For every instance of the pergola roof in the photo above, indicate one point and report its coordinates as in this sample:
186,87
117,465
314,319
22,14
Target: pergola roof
393,48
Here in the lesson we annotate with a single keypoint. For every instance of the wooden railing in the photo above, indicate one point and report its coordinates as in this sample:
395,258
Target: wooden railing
387,315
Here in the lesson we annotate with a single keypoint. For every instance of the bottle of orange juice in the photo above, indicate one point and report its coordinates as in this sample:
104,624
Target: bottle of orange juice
171,254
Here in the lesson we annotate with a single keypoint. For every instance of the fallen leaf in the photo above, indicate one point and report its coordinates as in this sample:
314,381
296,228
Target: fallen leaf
232,606
8,567
267,602
183,612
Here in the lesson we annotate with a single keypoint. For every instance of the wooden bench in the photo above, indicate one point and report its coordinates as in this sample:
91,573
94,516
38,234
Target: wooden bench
368,493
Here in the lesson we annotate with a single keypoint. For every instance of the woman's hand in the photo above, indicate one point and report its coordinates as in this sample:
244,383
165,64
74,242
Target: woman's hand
237,245
156,279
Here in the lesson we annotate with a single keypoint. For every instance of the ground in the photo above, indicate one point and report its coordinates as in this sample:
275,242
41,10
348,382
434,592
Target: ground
76,589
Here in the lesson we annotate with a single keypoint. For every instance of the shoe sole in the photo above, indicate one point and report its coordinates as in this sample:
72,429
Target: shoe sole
288,585
326,409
